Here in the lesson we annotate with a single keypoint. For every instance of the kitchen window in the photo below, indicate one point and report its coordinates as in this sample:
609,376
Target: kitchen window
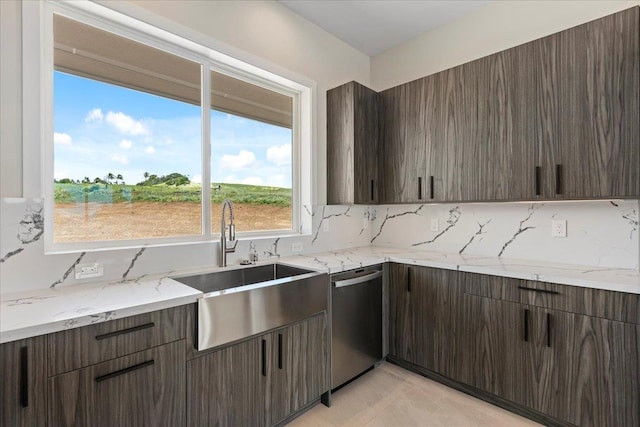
148,133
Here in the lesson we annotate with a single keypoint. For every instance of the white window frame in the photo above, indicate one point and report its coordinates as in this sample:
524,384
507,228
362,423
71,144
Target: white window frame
38,66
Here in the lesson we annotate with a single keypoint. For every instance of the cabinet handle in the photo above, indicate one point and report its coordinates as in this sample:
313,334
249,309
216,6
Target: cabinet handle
558,179
419,188
431,187
538,180
264,358
124,371
549,330
125,331
409,279
24,376
279,351
543,291
372,191
526,325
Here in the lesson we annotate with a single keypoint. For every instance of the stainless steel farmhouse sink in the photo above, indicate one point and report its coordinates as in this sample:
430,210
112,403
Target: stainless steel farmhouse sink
243,302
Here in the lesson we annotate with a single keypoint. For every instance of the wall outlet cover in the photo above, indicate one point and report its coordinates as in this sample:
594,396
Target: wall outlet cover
325,226
86,271
559,228
296,247
434,225
365,223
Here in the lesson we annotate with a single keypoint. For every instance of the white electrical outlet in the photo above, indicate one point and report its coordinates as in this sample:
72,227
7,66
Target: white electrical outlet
434,225
365,223
325,226
85,271
559,228
296,247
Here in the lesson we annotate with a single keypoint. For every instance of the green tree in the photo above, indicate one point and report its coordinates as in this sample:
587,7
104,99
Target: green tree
119,177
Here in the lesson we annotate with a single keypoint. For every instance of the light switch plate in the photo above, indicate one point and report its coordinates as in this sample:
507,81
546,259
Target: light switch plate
434,225
296,247
365,223
559,228
325,226
86,271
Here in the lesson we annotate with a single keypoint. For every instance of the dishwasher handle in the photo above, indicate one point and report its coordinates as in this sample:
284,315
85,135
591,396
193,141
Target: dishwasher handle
356,280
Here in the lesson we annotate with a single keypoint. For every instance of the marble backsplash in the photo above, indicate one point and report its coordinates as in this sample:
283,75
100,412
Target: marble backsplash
24,266
600,233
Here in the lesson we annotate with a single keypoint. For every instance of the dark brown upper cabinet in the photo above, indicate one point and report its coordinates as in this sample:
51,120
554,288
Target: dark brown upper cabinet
597,153
352,145
406,138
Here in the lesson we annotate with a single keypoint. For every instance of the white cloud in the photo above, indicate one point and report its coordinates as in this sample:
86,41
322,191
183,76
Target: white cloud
126,124
279,180
150,150
126,144
243,160
196,179
94,115
120,158
279,154
62,138
252,180
59,175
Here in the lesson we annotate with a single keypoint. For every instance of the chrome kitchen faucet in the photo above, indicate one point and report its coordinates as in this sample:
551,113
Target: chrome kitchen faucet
224,250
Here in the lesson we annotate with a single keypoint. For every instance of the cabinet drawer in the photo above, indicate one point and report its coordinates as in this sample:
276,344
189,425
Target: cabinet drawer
142,389
77,348
575,299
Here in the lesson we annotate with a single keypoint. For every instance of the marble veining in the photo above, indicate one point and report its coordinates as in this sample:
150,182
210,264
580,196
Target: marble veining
388,217
30,228
133,262
454,217
477,233
69,271
327,217
521,229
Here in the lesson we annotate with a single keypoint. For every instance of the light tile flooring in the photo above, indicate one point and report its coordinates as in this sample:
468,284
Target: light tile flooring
394,397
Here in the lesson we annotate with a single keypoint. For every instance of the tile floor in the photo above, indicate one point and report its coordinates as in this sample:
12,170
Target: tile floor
394,397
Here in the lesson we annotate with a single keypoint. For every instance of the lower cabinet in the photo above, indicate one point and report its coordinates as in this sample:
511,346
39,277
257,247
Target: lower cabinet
22,382
578,369
260,381
575,368
142,389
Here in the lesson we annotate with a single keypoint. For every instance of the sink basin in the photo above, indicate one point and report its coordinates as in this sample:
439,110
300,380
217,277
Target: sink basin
243,302
227,279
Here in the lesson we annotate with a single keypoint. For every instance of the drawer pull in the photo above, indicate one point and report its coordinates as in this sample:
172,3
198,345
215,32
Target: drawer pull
544,291
264,358
124,371
125,331
279,351
24,377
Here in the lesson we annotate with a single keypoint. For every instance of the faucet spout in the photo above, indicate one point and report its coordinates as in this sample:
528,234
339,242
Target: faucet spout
224,245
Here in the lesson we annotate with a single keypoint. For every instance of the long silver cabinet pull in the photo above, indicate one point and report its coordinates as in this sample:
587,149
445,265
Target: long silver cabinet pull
356,280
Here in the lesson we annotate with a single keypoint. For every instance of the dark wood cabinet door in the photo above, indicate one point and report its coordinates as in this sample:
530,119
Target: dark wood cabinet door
598,151
598,364
405,111
352,145
227,387
142,389
22,382
299,367
411,320
498,335
505,146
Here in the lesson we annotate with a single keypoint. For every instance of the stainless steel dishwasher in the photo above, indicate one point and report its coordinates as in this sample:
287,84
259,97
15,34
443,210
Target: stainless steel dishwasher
356,336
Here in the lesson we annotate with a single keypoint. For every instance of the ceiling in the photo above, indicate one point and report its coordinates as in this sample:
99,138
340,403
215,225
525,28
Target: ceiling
373,26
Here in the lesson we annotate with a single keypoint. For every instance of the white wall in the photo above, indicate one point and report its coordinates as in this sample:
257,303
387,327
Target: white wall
495,27
263,33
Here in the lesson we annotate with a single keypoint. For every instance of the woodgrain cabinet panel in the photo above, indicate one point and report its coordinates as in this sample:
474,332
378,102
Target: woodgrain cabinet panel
598,150
143,389
80,347
352,145
23,376
228,387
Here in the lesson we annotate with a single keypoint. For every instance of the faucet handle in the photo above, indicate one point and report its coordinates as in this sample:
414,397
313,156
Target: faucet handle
232,232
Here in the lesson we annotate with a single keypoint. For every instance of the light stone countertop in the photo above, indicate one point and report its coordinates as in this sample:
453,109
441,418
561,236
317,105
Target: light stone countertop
28,314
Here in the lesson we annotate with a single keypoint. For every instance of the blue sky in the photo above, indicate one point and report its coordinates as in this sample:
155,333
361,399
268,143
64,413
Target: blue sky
101,128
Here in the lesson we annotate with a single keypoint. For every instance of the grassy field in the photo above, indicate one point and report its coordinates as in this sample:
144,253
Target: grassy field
114,193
